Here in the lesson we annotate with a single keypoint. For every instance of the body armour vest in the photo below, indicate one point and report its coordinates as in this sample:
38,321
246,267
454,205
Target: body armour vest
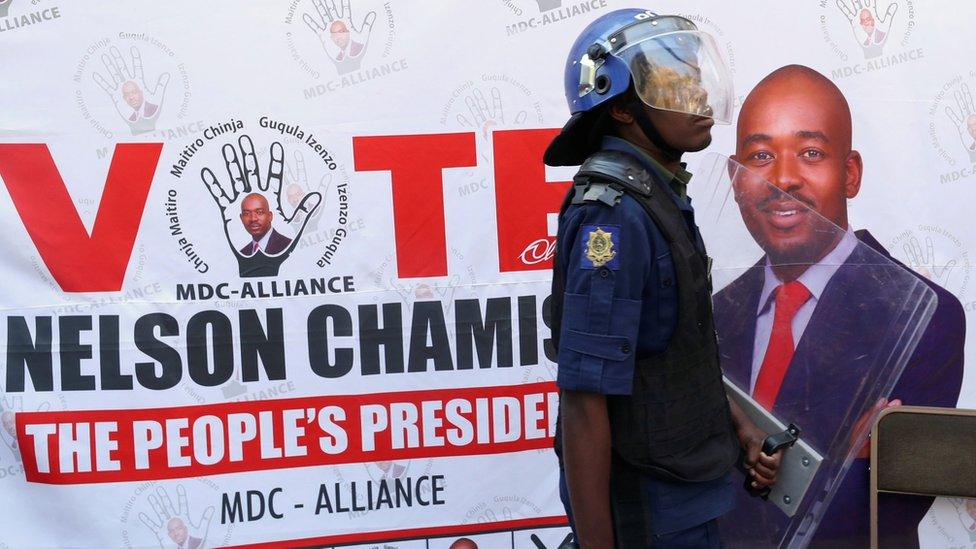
676,423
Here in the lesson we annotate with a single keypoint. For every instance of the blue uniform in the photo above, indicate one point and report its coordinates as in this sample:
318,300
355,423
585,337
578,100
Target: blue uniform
627,303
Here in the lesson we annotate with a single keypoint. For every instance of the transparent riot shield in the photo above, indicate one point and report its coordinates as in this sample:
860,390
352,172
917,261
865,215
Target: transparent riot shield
815,324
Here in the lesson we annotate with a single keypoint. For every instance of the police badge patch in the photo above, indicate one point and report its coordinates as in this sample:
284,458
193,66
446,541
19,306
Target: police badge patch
600,245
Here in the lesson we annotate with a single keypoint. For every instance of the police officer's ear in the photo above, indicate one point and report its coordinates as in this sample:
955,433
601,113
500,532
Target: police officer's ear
621,107
854,168
620,111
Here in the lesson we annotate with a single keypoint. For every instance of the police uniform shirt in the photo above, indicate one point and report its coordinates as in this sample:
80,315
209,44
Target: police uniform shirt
628,296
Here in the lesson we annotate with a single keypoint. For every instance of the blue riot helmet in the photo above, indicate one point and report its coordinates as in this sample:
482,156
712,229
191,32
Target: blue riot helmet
668,62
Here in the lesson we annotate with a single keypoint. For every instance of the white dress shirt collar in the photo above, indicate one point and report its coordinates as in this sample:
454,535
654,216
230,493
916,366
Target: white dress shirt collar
263,243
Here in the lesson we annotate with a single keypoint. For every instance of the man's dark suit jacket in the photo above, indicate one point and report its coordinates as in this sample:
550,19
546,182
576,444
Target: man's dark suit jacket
827,368
276,244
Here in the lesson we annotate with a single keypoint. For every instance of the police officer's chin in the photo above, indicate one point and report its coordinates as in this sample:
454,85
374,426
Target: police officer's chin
692,143
704,143
697,134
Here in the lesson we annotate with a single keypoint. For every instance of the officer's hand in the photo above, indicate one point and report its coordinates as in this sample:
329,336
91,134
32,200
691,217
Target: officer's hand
760,467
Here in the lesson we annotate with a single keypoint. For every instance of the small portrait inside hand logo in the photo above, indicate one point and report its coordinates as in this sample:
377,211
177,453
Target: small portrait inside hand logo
124,83
342,39
5,7
267,214
256,217
180,535
176,523
869,26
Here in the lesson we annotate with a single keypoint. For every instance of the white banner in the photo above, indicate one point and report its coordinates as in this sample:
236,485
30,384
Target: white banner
376,370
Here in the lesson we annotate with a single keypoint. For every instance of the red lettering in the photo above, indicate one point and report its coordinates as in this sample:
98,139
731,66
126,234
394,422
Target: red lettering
415,163
77,261
523,198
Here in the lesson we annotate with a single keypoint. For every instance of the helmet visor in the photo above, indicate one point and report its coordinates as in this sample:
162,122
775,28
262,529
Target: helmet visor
681,71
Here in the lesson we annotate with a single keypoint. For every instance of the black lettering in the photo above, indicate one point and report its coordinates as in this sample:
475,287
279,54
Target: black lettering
548,344
528,331
271,506
332,285
27,353
323,502
318,286
108,355
318,340
437,483
168,358
222,291
418,491
185,292
251,496
72,352
269,346
403,493
233,511
495,326
428,319
390,336
383,496
198,348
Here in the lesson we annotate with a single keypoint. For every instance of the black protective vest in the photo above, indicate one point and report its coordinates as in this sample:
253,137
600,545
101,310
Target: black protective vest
676,423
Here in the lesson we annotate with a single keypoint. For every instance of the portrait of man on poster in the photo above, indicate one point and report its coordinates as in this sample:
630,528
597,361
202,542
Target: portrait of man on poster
793,328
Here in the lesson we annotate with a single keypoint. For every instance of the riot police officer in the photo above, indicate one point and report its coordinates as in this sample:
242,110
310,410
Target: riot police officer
647,436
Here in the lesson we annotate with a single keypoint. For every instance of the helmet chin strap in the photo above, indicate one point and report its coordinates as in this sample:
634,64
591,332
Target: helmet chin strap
646,126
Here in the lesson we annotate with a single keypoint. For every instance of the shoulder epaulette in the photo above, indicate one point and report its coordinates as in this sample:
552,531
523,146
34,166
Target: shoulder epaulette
617,167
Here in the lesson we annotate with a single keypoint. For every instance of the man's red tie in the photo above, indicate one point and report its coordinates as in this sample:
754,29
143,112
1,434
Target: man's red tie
255,247
789,298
